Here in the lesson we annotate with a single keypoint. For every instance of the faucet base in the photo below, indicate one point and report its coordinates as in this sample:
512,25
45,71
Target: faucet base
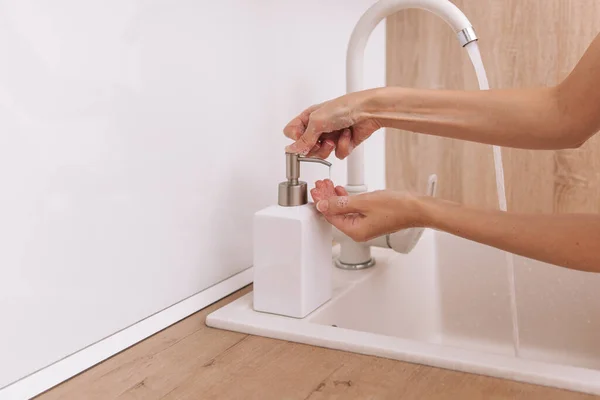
353,266
353,255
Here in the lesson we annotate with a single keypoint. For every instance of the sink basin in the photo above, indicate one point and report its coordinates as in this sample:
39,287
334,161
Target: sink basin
447,304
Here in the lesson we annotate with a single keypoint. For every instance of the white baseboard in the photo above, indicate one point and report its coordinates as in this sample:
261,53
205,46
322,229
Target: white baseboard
72,365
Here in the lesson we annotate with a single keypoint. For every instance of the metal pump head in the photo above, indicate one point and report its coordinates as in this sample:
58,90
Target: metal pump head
294,192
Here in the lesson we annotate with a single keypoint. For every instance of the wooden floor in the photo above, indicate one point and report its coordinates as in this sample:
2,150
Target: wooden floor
192,361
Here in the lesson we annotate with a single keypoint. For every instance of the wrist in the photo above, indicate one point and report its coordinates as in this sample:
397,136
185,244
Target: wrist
373,102
382,103
428,212
409,210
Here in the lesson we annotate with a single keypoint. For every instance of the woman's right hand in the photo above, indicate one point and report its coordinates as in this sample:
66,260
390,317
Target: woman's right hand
340,124
367,215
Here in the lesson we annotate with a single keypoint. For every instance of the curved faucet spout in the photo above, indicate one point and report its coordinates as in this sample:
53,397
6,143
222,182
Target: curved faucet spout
356,53
444,9
358,255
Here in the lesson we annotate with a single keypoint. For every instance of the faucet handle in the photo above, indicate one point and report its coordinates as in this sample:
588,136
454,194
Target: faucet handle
432,185
405,240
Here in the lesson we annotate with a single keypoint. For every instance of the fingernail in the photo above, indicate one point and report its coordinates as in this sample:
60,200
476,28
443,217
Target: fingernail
322,205
329,143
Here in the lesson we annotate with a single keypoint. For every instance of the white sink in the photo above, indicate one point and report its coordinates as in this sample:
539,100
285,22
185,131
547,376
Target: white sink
446,304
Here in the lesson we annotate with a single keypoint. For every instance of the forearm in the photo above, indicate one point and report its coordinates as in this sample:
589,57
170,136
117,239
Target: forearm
563,116
511,118
568,240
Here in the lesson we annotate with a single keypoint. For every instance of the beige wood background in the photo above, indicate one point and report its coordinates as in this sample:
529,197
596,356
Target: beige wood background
524,43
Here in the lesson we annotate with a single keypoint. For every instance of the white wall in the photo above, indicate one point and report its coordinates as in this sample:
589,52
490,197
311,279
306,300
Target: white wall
137,138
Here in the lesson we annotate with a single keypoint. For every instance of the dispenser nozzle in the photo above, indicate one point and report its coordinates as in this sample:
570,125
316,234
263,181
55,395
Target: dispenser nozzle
292,165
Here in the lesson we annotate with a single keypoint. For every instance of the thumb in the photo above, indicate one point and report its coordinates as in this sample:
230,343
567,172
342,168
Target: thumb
338,205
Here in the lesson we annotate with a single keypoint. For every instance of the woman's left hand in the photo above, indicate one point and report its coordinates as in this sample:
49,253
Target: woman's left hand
369,215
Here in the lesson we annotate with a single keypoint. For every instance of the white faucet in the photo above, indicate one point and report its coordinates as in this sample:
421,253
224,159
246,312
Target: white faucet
358,255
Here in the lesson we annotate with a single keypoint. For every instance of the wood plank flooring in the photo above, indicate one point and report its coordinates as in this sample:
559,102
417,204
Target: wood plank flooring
192,361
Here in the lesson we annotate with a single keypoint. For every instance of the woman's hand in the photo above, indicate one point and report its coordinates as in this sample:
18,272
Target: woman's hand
339,124
369,215
568,240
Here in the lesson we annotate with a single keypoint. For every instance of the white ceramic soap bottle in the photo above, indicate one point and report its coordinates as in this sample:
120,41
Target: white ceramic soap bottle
292,250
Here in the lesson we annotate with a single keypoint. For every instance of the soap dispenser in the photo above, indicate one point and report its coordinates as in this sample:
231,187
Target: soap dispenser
292,250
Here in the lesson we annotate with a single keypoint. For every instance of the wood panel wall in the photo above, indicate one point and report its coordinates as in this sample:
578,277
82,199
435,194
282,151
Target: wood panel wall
524,43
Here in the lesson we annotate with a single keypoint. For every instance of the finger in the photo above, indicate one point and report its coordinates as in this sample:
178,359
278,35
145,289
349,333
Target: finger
328,184
320,185
307,141
339,205
344,145
341,191
296,127
333,136
314,150
329,190
324,150
316,194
